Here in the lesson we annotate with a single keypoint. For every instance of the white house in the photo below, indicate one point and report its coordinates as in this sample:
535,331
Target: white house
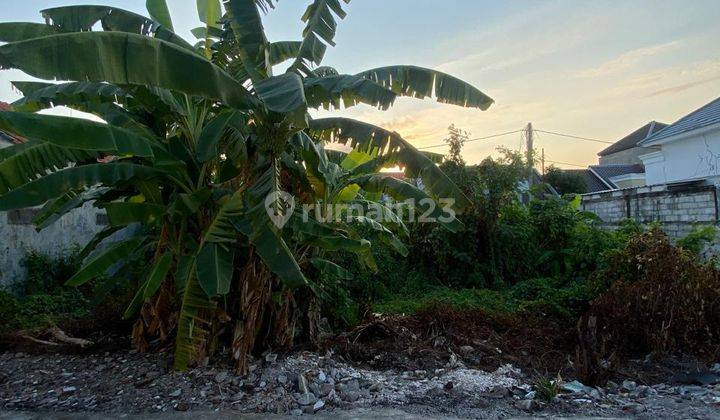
688,149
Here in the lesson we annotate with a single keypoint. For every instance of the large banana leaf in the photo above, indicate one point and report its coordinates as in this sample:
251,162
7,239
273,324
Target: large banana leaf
282,50
159,11
55,209
207,146
98,265
126,59
125,213
58,183
83,18
272,249
40,95
346,90
401,191
20,31
320,26
158,273
221,229
192,328
210,13
215,269
250,40
283,94
321,172
419,82
331,269
38,160
394,150
76,133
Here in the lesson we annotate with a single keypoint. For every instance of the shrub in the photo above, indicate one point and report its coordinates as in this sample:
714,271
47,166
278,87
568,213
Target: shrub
661,299
41,300
696,240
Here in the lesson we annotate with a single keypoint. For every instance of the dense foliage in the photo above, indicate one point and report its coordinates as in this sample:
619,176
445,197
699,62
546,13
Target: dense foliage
199,144
565,182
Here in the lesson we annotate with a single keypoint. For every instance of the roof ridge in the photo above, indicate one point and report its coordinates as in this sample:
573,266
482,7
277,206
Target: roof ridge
710,104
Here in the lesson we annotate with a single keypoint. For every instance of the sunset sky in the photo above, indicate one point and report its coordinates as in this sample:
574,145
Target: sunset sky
596,69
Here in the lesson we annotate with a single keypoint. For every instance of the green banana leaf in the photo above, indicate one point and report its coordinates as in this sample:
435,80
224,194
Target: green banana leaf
98,265
419,82
126,59
20,31
57,183
215,269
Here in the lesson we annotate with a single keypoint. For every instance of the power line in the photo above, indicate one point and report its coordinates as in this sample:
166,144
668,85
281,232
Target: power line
523,130
474,139
575,137
566,163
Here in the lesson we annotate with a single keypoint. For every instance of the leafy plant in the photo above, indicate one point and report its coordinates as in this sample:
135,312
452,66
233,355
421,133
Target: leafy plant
200,140
698,238
547,389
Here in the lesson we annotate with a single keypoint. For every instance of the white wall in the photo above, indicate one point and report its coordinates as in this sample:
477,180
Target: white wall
686,158
74,229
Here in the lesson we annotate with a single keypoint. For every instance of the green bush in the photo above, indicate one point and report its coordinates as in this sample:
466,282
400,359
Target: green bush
41,300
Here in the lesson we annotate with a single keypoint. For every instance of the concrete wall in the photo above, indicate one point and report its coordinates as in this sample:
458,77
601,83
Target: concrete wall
678,208
626,157
685,158
18,236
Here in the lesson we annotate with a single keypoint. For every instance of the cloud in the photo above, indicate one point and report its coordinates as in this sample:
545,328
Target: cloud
628,60
683,87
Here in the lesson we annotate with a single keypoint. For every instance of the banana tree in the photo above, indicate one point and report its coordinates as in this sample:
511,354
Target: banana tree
196,143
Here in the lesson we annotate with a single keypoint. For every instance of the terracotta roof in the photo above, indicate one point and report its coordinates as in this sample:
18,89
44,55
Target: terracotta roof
634,138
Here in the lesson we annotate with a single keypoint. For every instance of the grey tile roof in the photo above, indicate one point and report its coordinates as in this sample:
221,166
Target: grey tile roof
592,182
705,116
632,139
609,171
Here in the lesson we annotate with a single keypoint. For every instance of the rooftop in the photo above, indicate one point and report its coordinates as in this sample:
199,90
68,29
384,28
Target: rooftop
705,116
632,139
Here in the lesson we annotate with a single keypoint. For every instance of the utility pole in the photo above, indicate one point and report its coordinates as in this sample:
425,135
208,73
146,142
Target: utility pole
542,161
529,146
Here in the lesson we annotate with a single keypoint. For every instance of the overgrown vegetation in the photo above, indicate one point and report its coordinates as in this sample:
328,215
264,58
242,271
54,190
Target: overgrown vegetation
200,144
659,299
43,301
565,182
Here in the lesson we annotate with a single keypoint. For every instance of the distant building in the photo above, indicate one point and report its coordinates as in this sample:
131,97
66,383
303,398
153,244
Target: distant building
680,186
627,151
620,165
611,177
686,150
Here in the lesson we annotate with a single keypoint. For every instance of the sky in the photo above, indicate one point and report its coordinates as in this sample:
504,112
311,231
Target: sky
595,69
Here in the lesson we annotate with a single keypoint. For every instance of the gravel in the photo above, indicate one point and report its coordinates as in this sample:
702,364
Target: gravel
309,383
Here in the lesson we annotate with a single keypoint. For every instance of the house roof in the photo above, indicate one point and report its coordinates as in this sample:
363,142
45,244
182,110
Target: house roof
632,139
592,182
598,177
705,116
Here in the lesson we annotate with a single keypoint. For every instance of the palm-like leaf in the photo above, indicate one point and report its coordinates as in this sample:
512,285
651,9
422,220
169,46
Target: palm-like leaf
393,149
336,91
57,183
419,82
76,133
320,26
20,31
40,95
123,58
250,40
36,161
83,18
